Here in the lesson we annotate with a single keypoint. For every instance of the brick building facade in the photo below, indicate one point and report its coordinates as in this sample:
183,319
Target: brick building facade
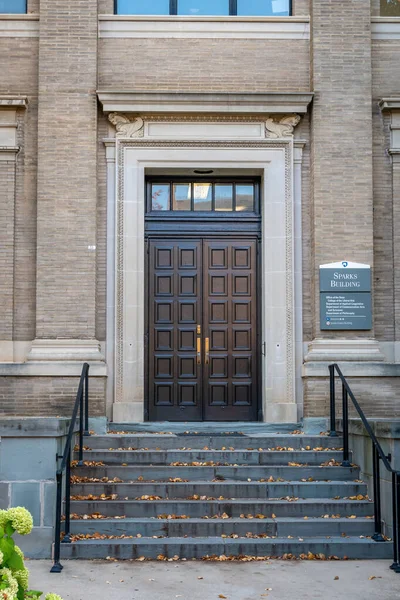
96,106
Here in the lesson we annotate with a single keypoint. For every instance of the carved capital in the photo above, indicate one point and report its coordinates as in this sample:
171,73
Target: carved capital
276,127
125,128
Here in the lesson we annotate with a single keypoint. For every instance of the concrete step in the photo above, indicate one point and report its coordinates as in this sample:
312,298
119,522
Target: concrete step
211,428
243,457
227,489
339,547
240,473
280,526
197,442
308,507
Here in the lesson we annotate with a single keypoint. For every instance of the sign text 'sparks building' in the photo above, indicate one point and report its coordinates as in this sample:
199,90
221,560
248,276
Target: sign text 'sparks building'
171,184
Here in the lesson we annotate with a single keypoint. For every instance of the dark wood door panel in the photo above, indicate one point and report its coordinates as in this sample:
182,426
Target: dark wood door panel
230,324
211,284
174,377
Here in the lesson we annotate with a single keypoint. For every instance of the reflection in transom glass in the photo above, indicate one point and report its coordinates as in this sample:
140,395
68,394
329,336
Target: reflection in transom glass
181,199
223,196
205,196
202,196
160,197
244,197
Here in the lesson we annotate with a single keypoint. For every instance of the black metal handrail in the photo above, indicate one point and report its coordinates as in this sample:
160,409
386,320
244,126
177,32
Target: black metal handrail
81,406
377,456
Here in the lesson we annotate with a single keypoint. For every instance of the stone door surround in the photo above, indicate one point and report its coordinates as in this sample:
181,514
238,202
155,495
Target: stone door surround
236,139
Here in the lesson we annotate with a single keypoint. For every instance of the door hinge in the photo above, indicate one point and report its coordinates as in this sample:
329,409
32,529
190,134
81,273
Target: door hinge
263,348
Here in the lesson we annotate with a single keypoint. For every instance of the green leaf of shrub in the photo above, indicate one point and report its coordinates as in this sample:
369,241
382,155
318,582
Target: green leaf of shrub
9,529
15,562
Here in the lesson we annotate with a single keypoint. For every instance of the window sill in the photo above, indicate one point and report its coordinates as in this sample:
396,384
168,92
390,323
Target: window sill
19,25
137,26
385,28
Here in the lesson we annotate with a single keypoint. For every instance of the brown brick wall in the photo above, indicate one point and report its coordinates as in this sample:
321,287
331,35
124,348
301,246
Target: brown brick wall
196,65
67,195
378,397
20,62
7,204
33,6
48,396
385,83
101,266
341,135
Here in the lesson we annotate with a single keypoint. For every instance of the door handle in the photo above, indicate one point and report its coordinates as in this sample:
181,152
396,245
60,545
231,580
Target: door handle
207,351
198,345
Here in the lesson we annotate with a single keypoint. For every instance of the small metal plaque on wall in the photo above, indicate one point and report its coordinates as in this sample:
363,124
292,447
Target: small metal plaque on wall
345,296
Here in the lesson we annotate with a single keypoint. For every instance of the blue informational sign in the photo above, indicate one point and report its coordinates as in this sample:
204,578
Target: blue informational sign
345,296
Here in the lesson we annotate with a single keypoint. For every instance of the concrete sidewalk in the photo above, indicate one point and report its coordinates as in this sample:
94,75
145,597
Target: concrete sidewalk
275,580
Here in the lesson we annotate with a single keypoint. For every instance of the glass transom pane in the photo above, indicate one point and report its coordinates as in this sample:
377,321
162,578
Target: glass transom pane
390,8
263,8
245,197
203,7
202,196
160,197
223,196
142,7
13,6
182,194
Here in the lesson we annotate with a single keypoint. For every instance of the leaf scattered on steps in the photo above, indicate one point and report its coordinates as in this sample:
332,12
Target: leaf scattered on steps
336,578
221,596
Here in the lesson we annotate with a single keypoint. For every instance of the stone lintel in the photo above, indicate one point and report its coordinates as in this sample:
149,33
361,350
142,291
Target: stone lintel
34,426
12,102
54,368
352,369
212,103
65,350
382,428
340,350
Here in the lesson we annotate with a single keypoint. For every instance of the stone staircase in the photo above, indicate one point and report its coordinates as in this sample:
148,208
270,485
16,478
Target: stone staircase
196,494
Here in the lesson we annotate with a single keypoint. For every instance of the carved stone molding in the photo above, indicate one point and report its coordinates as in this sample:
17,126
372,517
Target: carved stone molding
127,128
122,233
276,127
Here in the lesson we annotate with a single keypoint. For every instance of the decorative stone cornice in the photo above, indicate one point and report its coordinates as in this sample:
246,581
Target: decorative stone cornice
193,103
125,127
276,128
389,104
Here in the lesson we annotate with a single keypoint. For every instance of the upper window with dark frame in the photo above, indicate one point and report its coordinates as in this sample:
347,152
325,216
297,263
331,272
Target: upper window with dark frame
194,8
218,196
15,7
390,8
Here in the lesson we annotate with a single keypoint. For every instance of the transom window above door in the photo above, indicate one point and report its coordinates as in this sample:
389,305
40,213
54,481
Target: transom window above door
194,8
202,196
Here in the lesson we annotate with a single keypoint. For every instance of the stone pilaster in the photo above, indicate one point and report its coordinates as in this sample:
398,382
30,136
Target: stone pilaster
67,184
341,145
8,153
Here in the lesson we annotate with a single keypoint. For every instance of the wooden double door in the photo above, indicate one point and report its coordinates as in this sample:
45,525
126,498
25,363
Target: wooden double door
202,329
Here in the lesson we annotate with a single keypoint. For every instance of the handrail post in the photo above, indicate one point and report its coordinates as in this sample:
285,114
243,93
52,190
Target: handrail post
395,564
57,566
345,414
332,432
378,537
81,417
86,432
67,529
397,569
